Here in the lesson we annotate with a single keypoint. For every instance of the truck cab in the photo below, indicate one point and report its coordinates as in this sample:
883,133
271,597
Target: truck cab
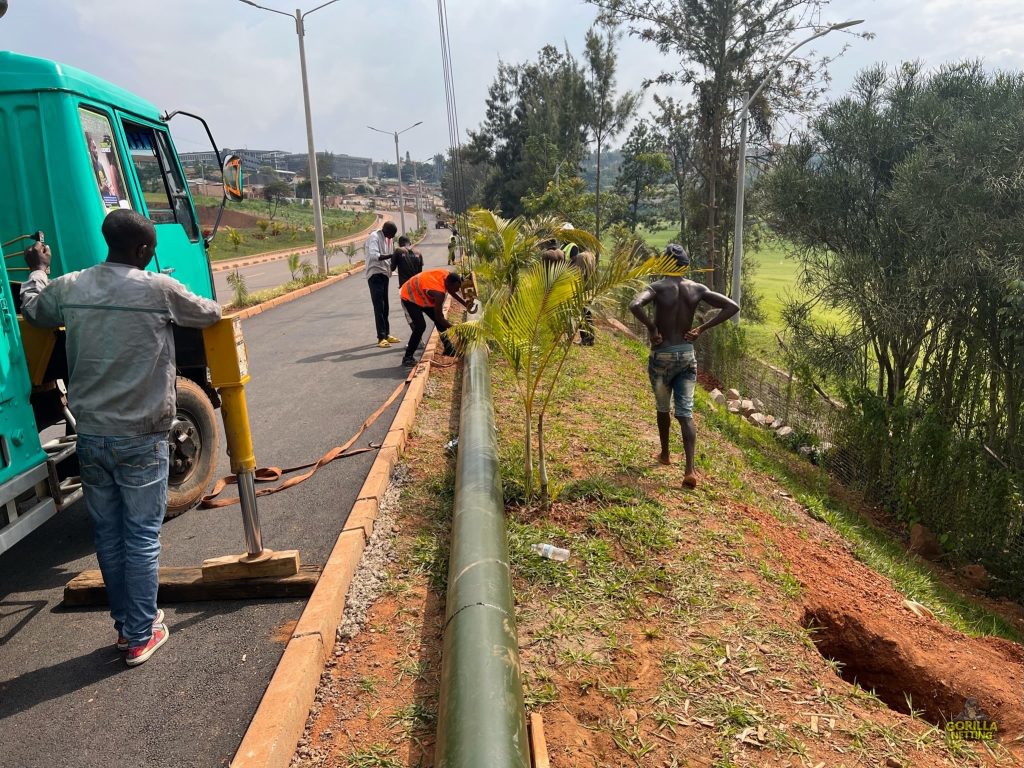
73,148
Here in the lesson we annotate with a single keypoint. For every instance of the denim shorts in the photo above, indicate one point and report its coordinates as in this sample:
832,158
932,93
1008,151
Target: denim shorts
673,372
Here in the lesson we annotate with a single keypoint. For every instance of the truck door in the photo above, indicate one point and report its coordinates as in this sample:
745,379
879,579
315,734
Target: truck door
19,438
179,252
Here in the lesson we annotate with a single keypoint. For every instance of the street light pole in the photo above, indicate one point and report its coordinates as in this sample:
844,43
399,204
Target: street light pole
401,193
398,164
314,176
557,169
741,161
417,191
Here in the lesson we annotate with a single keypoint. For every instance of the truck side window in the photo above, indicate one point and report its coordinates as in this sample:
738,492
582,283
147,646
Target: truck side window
163,188
106,164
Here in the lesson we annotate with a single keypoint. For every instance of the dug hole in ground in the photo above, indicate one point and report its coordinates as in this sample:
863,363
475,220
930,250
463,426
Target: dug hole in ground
727,626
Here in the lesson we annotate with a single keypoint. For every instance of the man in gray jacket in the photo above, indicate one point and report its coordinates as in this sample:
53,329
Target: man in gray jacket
121,367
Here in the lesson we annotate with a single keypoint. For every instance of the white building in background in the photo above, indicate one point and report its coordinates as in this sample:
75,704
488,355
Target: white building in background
345,166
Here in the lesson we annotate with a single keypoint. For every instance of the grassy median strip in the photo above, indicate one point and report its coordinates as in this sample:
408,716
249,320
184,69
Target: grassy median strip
243,299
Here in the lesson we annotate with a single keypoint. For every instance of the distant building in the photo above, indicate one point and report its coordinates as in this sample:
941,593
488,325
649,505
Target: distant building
205,160
345,166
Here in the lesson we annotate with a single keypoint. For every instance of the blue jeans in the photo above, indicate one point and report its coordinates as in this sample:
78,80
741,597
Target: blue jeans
125,484
673,373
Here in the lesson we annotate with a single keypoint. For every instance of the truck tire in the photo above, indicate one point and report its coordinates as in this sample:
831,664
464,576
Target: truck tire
193,448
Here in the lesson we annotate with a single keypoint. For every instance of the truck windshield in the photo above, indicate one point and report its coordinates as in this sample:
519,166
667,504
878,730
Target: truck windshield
163,188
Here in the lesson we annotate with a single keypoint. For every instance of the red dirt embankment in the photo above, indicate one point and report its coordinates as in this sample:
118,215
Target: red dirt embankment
862,622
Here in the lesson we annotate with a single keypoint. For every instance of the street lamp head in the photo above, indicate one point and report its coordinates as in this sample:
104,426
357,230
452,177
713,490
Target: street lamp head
845,24
409,128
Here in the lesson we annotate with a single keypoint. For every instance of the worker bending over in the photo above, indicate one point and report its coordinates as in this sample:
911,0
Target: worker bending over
424,294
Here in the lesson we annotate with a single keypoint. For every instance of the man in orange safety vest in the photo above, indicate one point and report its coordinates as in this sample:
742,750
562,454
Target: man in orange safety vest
423,295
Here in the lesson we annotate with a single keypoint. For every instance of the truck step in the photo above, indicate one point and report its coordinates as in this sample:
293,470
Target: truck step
68,490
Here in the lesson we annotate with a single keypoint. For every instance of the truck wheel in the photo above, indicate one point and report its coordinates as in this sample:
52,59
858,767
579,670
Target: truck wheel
193,448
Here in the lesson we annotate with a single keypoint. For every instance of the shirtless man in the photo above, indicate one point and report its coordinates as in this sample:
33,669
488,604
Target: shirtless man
673,365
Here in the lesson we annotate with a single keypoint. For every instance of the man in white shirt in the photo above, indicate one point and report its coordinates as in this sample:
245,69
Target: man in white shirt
380,246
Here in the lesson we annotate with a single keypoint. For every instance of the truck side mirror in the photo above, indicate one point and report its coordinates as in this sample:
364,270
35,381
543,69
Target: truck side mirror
232,176
3,7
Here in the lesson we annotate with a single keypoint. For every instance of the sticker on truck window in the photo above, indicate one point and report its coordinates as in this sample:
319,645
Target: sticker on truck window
106,164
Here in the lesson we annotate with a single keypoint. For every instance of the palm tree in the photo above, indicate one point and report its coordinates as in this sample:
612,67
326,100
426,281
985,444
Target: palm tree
534,309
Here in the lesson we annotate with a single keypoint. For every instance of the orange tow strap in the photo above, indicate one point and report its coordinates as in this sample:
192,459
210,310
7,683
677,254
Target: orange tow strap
272,474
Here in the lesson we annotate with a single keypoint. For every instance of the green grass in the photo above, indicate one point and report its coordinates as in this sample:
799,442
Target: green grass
292,214
658,238
374,756
296,222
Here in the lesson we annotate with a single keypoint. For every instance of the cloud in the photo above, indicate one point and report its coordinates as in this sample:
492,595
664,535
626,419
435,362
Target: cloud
378,62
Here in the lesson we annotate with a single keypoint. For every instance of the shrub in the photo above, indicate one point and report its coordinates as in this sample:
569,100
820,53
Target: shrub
239,289
234,237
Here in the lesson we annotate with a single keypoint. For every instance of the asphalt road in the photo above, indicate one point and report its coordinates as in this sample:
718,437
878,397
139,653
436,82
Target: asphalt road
66,697
270,274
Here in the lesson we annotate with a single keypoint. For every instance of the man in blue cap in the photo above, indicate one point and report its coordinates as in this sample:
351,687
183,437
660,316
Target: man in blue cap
672,366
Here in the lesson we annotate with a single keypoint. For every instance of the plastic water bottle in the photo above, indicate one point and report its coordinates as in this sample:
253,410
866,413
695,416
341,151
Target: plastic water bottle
550,552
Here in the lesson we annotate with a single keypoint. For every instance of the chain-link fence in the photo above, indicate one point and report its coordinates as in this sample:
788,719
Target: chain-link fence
816,420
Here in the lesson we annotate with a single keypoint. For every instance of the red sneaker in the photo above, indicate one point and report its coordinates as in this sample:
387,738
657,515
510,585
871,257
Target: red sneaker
122,641
141,653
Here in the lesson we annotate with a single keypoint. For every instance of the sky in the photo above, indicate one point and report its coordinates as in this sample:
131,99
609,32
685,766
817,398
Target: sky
378,62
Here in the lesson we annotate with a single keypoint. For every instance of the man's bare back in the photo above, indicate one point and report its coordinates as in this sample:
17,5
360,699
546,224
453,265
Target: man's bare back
675,304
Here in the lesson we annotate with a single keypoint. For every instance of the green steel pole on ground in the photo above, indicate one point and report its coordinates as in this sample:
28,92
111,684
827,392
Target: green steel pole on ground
481,714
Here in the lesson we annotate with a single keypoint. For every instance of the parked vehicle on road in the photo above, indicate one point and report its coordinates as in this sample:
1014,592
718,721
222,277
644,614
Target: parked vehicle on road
73,148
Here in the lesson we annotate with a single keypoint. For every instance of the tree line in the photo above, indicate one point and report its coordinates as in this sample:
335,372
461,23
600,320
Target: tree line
903,203
544,116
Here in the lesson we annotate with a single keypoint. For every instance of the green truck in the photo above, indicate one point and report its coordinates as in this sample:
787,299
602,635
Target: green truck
73,148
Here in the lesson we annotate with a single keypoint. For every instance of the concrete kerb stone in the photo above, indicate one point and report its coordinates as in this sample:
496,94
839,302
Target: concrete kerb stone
292,689
362,516
320,617
274,732
378,479
395,439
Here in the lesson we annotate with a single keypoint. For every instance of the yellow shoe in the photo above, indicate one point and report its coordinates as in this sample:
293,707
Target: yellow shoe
384,344
393,339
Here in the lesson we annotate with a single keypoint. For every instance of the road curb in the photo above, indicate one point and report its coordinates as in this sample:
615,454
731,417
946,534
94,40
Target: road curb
298,293
274,732
248,261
